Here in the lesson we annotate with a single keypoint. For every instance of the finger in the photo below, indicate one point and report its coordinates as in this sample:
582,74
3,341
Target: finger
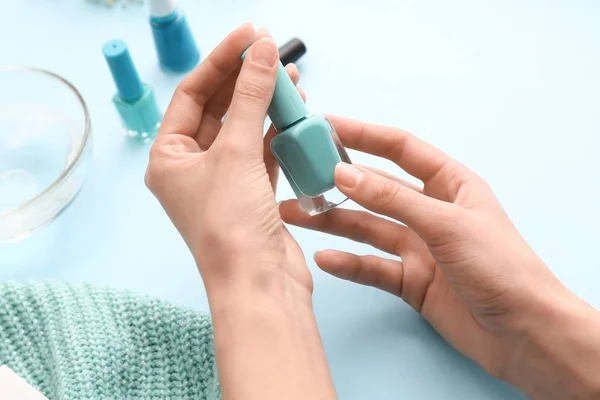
253,92
359,226
293,72
290,68
217,106
186,108
425,215
215,110
418,158
369,270
261,33
390,176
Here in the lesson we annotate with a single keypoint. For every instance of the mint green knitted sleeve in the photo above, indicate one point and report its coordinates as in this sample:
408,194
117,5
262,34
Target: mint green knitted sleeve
85,342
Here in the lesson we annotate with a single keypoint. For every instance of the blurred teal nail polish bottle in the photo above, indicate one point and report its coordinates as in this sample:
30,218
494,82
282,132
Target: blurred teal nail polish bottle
307,148
134,100
175,44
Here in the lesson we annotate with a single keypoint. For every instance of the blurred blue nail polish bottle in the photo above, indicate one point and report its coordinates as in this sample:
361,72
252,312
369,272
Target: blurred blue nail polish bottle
175,44
307,148
134,100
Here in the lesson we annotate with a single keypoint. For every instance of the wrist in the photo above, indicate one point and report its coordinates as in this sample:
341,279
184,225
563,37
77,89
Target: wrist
266,336
558,356
263,286
267,270
259,280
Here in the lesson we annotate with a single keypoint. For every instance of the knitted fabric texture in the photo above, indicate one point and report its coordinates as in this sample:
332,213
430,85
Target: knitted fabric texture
85,342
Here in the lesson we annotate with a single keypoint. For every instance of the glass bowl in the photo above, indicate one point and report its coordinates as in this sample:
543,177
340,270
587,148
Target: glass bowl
45,147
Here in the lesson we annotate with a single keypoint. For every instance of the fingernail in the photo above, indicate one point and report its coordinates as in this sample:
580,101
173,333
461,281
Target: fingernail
264,52
348,176
263,32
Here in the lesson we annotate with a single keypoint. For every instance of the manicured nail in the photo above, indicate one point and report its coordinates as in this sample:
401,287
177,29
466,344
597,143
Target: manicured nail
346,175
264,52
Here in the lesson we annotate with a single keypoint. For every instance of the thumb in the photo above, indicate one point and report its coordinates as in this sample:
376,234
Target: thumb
427,216
253,91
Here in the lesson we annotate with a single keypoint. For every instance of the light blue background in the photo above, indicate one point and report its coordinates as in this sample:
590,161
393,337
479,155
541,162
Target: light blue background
510,88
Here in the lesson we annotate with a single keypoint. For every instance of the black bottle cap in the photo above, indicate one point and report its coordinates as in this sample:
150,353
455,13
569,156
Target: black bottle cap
291,51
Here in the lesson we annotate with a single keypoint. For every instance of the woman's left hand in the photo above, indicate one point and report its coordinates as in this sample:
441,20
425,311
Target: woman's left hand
216,179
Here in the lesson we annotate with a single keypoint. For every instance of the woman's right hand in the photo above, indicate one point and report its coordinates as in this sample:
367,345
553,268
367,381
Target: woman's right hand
464,266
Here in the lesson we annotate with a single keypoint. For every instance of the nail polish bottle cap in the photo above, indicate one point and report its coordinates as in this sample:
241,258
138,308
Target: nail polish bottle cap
125,75
286,106
291,51
161,8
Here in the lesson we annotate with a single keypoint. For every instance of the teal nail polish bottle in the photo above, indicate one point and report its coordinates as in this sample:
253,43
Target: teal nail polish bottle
307,148
173,39
135,101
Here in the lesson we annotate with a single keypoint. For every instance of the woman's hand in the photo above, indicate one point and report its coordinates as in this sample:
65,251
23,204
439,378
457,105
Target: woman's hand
464,266
213,178
216,182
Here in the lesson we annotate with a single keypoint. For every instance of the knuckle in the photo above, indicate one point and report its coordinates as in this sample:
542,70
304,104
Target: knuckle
371,266
160,147
325,221
360,228
151,177
252,90
155,171
396,146
388,193
455,174
156,150
182,88
399,241
357,273
185,89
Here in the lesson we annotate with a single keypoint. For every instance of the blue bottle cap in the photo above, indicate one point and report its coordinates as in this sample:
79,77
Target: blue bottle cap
123,70
287,105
